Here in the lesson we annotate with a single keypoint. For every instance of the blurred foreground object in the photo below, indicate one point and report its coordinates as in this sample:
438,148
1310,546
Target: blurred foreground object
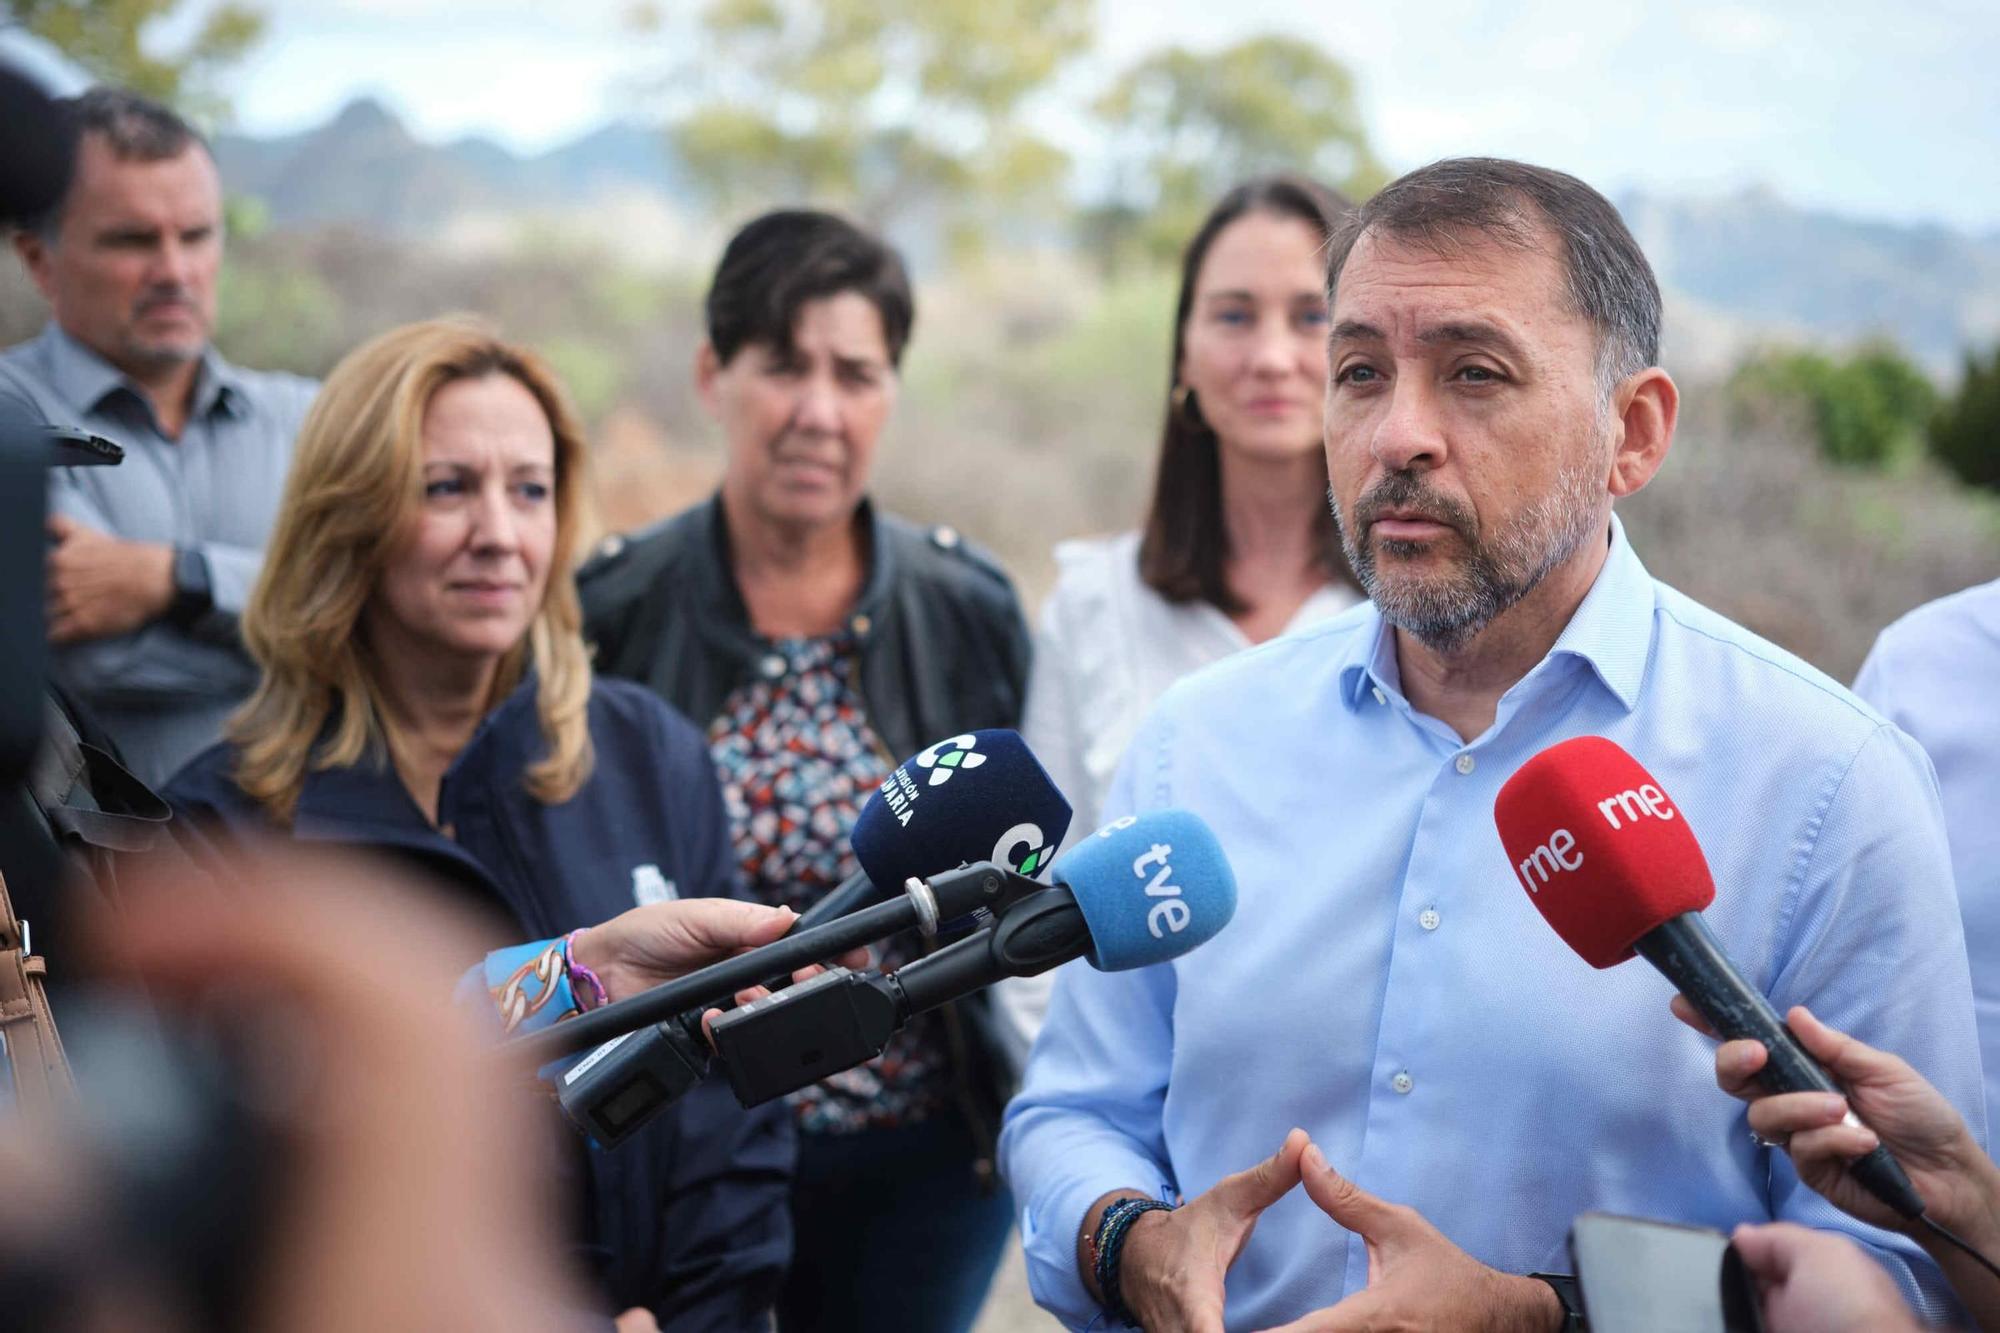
379,1172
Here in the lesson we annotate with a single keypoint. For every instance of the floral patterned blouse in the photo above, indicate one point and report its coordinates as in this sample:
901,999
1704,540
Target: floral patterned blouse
797,761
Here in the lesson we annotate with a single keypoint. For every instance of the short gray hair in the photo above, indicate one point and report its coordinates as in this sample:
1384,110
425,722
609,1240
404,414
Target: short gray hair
137,128
1606,275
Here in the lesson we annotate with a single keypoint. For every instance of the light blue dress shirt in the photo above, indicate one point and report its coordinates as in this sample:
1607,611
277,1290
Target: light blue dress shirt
163,691
1936,674
1387,985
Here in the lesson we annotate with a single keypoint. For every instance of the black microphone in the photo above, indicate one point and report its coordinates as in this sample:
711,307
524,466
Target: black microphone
979,795
922,905
1140,892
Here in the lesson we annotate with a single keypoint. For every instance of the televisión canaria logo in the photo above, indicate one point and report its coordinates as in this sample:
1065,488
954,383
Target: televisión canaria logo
950,755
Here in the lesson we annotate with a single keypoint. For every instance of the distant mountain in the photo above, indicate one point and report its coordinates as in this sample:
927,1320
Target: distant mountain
1767,265
364,168
1739,269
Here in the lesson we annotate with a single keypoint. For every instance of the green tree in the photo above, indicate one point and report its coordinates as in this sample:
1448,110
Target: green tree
1867,410
876,105
108,38
1965,433
1185,126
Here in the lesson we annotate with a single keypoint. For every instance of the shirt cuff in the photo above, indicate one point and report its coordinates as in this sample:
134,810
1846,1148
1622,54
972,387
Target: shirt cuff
529,985
1054,1214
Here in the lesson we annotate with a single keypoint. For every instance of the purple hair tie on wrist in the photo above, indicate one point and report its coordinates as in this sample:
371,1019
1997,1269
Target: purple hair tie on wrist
583,983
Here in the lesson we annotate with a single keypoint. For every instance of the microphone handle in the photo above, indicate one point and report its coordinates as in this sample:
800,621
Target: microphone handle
853,893
1032,936
718,982
1689,955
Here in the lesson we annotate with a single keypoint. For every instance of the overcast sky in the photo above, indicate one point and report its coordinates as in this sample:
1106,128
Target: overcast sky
1881,110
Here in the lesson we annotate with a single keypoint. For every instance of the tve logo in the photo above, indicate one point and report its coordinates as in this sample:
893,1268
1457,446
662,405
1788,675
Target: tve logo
1171,912
948,756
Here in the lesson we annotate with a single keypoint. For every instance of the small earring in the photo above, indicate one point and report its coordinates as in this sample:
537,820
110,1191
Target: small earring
1186,408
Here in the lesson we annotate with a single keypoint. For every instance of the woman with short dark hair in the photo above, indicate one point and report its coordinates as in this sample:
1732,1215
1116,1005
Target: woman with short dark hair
819,641
1239,543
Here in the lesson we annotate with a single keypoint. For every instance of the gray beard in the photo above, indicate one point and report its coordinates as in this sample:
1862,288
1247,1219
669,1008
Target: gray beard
1444,613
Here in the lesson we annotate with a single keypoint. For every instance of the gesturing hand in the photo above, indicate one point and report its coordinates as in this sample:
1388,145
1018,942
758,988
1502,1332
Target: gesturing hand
1171,1275
1416,1277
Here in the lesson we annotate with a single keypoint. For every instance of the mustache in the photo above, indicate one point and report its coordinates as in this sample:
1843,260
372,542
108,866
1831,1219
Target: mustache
160,296
1406,492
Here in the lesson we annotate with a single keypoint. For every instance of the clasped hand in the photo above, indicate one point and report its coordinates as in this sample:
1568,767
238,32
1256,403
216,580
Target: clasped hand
1172,1273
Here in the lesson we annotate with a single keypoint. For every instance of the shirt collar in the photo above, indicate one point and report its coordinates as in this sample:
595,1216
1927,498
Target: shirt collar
85,378
1611,633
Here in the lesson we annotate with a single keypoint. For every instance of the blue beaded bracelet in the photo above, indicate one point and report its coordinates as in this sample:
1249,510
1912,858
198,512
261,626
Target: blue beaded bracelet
1108,1250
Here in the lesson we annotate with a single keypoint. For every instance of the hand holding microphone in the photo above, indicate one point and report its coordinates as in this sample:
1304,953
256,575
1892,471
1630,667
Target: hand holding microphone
1143,890
654,944
1903,1113
1609,861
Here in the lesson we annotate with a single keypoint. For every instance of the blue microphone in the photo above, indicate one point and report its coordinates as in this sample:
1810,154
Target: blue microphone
1142,890
1150,888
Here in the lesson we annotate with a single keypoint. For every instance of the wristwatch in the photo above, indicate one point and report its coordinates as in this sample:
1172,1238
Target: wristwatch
1569,1296
194,595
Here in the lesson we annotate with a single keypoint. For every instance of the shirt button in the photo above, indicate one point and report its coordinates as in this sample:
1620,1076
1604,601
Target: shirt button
1380,697
1402,1082
860,624
1464,764
1429,918
773,666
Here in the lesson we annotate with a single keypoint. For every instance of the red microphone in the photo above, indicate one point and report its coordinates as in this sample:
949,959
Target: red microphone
1610,863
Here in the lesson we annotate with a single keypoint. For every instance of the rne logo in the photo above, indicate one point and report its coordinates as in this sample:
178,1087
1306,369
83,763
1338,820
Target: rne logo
1635,804
1549,860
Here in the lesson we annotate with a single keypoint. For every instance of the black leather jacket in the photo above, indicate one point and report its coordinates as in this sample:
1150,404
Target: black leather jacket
943,649
943,646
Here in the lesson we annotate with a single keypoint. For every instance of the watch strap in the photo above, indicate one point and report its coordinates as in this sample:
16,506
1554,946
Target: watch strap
1570,1296
194,592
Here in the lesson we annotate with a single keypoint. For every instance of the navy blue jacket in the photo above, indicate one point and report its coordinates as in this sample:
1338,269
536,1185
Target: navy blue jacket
690,1217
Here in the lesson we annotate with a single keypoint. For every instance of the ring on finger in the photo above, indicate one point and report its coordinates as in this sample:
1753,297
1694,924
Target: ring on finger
1762,1142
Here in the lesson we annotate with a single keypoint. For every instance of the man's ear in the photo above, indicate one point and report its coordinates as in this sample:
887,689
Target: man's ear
35,257
1647,405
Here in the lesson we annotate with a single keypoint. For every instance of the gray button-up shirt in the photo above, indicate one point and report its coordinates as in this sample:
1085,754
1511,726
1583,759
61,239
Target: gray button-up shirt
162,691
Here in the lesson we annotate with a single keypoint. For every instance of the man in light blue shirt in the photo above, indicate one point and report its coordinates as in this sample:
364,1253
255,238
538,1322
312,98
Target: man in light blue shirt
1468,1083
150,562
1934,673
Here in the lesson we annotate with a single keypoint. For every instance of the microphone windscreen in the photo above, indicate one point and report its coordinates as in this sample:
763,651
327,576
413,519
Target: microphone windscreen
1603,853
1151,887
981,796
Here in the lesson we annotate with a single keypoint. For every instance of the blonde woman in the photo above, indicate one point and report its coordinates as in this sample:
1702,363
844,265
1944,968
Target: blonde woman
425,691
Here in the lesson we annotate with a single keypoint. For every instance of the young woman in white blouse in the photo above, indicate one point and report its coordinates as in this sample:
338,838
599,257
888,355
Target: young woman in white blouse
1238,544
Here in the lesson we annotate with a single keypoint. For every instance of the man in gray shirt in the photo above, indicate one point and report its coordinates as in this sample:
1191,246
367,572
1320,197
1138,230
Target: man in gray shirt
149,563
